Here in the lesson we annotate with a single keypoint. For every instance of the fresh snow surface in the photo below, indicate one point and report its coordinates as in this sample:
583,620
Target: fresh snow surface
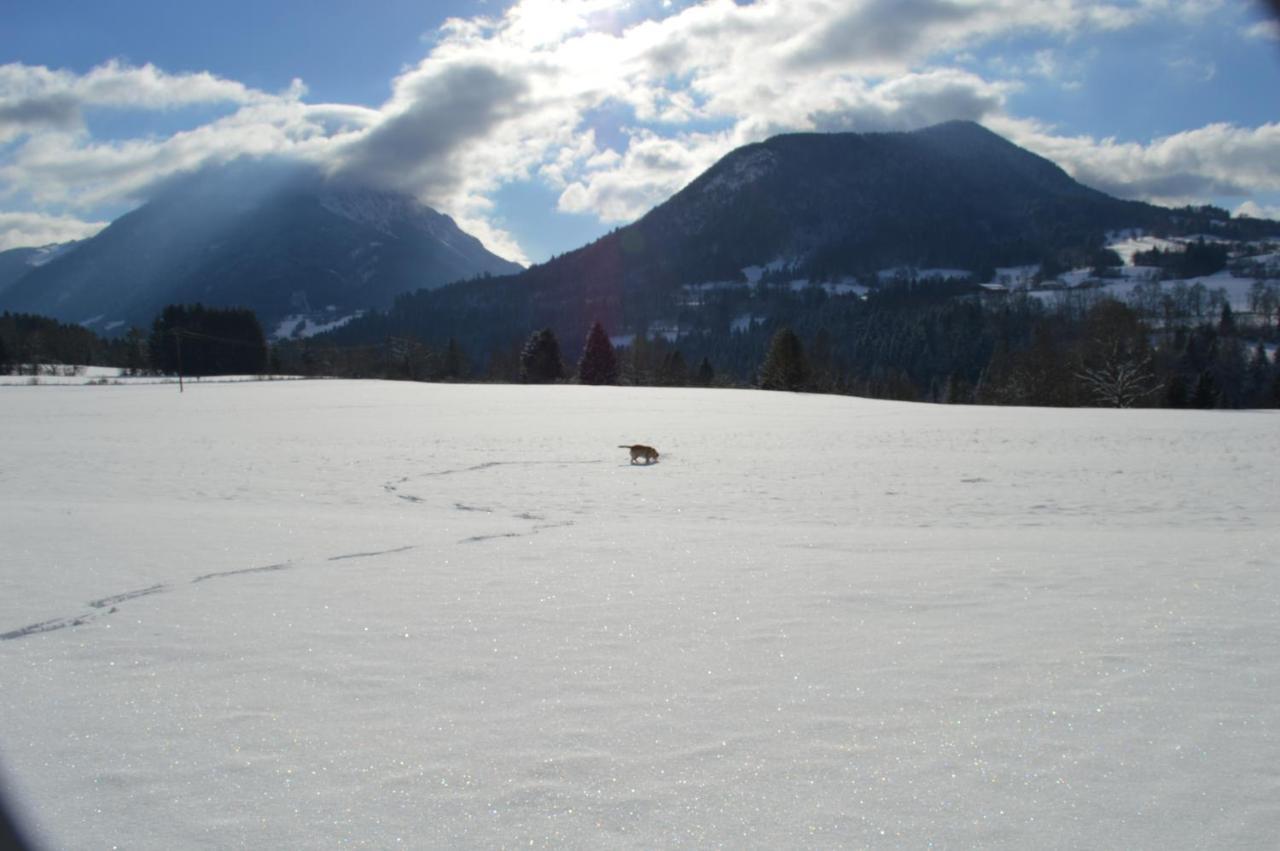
1128,246
1236,289
743,170
1016,277
911,273
668,329
1129,275
842,286
753,274
311,324
382,211
67,375
52,251
846,286
322,614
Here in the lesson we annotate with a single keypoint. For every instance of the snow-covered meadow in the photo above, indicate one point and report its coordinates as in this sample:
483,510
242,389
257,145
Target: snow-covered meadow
315,614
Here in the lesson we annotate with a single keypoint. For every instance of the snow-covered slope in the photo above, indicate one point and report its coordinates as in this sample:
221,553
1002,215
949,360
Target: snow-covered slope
17,262
313,614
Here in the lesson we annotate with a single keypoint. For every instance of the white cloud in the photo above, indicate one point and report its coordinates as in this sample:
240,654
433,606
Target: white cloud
68,169
531,76
620,188
1268,30
513,97
20,230
1255,210
34,98
1187,167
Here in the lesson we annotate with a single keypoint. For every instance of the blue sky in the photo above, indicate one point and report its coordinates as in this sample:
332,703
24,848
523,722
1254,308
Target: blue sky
541,124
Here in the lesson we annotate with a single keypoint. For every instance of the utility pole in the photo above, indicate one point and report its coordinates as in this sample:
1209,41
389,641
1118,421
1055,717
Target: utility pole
177,336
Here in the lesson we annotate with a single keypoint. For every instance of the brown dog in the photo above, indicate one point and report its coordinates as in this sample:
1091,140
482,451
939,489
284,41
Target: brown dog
639,450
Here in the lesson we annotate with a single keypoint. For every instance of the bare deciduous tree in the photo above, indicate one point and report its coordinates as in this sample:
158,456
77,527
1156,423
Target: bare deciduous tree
1119,379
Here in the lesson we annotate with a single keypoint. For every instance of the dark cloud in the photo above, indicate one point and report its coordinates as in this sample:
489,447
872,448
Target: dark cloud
446,109
243,180
57,112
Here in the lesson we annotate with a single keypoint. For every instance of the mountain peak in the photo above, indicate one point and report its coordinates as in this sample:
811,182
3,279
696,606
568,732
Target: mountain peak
276,237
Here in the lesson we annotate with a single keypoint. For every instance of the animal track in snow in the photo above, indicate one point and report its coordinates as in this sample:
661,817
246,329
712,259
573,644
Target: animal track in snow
477,538
128,595
108,605
79,620
44,626
264,569
374,553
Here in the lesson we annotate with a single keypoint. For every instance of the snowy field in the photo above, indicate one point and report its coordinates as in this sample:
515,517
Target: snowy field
79,375
324,614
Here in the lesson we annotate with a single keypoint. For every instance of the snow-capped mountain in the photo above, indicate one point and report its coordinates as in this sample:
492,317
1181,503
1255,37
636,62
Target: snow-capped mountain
280,240
17,262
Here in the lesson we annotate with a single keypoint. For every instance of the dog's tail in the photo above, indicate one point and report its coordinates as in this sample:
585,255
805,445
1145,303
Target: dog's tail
624,446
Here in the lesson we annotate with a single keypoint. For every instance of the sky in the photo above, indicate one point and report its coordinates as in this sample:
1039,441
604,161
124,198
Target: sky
540,125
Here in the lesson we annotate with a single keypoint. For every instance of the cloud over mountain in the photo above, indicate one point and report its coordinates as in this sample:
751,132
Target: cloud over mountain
615,105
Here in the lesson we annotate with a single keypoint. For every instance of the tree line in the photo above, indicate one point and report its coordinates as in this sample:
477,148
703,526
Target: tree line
934,341
931,342
192,339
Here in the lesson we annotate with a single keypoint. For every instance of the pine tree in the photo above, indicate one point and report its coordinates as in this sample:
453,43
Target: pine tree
785,367
1226,321
207,341
635,367
1175,394
453,365
599,363
1206,393
706,375
1258,378
540,360
673,372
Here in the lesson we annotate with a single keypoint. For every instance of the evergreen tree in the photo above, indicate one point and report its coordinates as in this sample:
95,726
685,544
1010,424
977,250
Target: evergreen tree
1227,321
504,363
784,367
1206,394
1258,379
706,375
207,341
599,363
540,360
453,365
1230,373
635,366
957,391
1175,394
673,372
135,356
4,357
